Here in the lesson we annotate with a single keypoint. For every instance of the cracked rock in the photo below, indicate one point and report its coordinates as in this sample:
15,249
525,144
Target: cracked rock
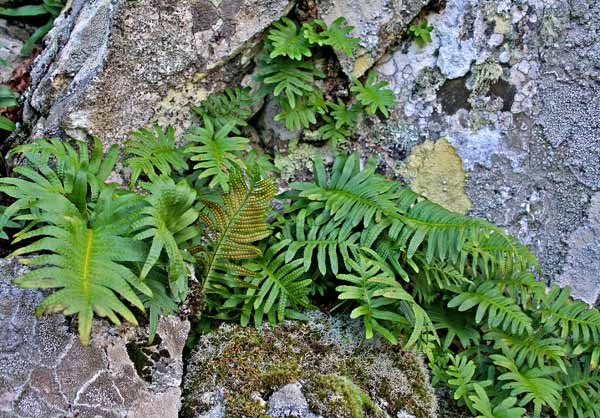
46,373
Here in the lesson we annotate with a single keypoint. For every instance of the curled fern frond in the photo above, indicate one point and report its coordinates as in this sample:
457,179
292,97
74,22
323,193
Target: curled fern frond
155,153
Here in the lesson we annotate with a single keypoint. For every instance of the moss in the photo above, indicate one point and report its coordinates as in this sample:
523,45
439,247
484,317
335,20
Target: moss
338,380
435,170
297,162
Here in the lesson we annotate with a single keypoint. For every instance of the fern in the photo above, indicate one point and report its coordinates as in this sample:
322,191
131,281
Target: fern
330,132
168,220
505,409
501,312
161,303
292,78
8,98
336,35
295,117
421,33
85,260
373,96
218,153
456,326
234,104
580,392
534,384
345,117
287,41
154,153
234,226
277,288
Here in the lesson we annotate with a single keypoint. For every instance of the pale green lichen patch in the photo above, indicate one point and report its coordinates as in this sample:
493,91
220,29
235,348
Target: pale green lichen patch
340,379
435,170
296,163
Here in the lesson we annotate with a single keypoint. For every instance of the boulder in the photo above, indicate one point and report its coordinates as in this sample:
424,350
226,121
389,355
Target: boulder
322,368
112,66
46,373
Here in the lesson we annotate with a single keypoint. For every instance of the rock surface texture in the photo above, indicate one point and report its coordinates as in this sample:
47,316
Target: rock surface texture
112,66
46,373
323,368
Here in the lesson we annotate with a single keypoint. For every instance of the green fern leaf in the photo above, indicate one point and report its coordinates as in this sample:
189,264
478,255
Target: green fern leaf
287,41
533,384
218,153
85,260
277,288
344,116
505,409
330,132
337,36
154,153
373,96
299,116
580,392
234,104
293,79
456,326
169,220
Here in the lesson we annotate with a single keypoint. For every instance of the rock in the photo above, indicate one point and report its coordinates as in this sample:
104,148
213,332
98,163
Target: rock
46,372
12,38
435,170
112,66
377,23
582,267
273,134
322,368
522,116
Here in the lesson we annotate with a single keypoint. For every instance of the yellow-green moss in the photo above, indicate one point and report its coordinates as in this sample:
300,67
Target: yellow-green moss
435,170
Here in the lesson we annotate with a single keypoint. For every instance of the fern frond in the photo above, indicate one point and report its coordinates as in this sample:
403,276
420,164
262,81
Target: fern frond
287,41
169,220
580,392
505,409
457,326
344,116
373,96
155,153
233,104
535,385
278,288
320,241
218,153
291,78
301,115
85,262
336,36
501,312
235,225
531,350
575,318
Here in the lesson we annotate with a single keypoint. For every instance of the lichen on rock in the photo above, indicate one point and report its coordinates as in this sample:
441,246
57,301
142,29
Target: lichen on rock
323,368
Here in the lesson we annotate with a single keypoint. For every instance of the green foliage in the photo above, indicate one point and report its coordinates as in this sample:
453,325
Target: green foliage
154,153
46,7
421,33
232,104
373,96
218,153
6,124
287,41
8,98
336,35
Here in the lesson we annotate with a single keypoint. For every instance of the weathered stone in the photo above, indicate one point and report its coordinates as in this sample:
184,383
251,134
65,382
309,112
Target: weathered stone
377,23
45,372
522,116
324,368
434,169
112,66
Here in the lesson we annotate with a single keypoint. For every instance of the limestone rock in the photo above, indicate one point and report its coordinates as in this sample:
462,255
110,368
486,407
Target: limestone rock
112,66
46,373
377,23
322,368
514,89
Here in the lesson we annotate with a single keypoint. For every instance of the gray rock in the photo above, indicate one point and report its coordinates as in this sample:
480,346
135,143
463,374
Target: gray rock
289,401
523,117
112,66
582,267
46,373
377,23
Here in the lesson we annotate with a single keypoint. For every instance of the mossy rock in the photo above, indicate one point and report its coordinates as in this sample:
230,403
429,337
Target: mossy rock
338,373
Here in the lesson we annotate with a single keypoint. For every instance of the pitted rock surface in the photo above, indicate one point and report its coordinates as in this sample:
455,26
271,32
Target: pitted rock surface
112,66
46,373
